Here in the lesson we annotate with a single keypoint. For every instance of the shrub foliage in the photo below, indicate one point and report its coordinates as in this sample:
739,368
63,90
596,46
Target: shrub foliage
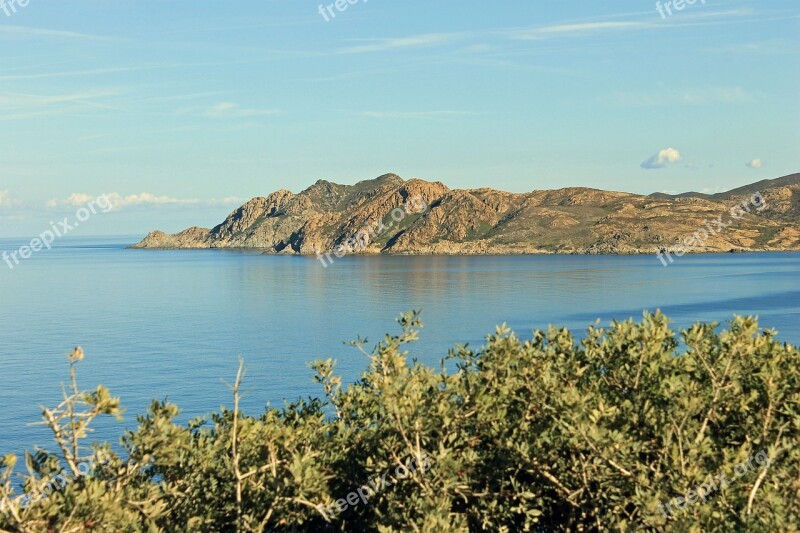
546,434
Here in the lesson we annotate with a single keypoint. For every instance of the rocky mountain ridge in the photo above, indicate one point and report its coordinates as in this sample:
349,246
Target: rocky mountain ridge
579,220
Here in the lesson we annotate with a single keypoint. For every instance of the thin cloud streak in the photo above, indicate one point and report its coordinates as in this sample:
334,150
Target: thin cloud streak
573,30
231,110
416,114
20,105
91,72
120,201
26,32
675,97
538,33
414,41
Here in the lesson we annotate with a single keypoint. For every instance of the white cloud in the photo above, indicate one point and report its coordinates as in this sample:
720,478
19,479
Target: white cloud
231,110
230,200
715,190
755,163
662,159
144,198
6,200
120,201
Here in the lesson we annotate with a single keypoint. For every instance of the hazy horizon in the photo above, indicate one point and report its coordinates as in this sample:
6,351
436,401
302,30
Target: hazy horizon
130,215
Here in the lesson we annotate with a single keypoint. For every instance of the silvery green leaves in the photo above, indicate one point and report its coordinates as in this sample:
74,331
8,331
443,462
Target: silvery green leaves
629,427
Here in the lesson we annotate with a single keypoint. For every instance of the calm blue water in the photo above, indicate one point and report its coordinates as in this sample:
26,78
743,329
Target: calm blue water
164,323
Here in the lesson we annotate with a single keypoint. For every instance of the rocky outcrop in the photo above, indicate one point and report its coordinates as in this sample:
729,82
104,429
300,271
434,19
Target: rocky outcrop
382,216
189,238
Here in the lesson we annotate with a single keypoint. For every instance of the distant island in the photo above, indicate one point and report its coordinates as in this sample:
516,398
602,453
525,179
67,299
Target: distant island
328,216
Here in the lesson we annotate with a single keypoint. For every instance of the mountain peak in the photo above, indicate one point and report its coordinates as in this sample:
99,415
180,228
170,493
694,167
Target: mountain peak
420,217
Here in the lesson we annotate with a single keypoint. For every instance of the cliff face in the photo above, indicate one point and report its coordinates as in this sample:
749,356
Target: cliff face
484,221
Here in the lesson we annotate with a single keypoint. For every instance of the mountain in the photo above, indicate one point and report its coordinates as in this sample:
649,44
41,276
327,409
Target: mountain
785,181
420,217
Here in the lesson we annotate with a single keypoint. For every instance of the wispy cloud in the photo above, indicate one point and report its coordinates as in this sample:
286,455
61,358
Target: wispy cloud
595,27
731,16
21,105
231,110
415,114
437,39
574,30
775,46
177,97
228,200
414,41
662,159
62,74
119,201
27,32
625,22
688,96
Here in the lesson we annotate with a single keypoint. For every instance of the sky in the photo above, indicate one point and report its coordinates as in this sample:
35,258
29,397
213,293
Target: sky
181,110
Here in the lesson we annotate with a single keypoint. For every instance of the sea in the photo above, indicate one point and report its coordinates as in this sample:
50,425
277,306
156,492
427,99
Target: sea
173,324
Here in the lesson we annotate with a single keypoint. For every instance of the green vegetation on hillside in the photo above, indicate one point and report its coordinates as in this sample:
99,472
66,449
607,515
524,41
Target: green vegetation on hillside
630,428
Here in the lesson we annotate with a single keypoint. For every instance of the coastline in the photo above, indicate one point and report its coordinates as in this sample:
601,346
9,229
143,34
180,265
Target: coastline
654,251
376,217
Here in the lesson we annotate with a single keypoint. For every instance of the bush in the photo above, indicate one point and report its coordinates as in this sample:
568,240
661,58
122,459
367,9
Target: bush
627,429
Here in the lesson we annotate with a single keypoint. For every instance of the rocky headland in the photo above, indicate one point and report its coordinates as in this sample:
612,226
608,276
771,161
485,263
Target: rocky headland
574,220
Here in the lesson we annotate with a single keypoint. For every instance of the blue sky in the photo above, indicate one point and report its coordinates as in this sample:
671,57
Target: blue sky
182,109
